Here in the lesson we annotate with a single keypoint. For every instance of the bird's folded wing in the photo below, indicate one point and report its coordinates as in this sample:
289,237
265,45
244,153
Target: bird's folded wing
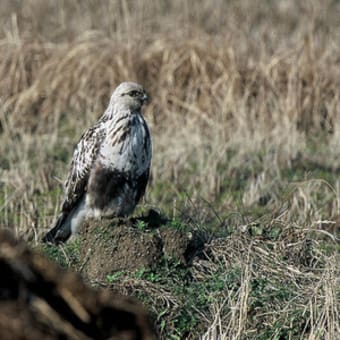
83,158
141,182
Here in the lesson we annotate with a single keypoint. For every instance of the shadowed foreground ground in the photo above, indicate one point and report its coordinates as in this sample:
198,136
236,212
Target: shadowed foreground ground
39,300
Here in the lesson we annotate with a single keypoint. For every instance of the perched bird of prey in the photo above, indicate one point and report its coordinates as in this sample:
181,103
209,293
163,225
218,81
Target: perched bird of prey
110,166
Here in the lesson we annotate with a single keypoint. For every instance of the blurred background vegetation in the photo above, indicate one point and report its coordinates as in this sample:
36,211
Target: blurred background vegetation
245,119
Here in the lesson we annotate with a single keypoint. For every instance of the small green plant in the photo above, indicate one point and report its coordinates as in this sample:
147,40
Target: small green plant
141,225
111,278
154,277
139,274
147,274
176,224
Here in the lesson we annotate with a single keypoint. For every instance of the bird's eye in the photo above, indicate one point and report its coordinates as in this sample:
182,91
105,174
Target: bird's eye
133,93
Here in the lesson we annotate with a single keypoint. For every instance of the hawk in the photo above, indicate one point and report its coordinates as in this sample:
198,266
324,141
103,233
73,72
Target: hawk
110,166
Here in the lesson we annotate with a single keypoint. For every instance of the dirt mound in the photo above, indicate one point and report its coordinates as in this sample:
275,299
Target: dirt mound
39,300
111,246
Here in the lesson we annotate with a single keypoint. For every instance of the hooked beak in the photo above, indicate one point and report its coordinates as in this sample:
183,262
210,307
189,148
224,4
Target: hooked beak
145,98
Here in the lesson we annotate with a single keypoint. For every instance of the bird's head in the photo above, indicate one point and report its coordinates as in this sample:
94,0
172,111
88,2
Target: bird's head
129,95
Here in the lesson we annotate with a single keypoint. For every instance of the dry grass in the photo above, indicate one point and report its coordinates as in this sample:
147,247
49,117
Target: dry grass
291,290
245,119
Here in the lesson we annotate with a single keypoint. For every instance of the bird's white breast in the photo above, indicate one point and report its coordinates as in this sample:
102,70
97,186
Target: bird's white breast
131,152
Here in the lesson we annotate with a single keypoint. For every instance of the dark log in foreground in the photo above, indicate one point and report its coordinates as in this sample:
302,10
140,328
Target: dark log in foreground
39,300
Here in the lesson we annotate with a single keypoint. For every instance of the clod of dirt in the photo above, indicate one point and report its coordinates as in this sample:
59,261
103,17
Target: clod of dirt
175,244
110,246
152,220
39,300
107,248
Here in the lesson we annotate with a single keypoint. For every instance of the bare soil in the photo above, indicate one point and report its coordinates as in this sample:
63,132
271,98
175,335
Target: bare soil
126,247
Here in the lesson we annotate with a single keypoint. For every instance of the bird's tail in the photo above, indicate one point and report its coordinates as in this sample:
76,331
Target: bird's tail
61,231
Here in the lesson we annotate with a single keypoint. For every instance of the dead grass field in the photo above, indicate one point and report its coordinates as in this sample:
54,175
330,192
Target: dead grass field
245,119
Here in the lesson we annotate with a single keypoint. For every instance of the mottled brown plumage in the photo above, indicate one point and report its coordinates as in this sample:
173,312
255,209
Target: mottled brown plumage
110,165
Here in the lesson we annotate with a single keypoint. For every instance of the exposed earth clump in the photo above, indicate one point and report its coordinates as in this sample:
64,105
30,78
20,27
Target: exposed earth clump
128,245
